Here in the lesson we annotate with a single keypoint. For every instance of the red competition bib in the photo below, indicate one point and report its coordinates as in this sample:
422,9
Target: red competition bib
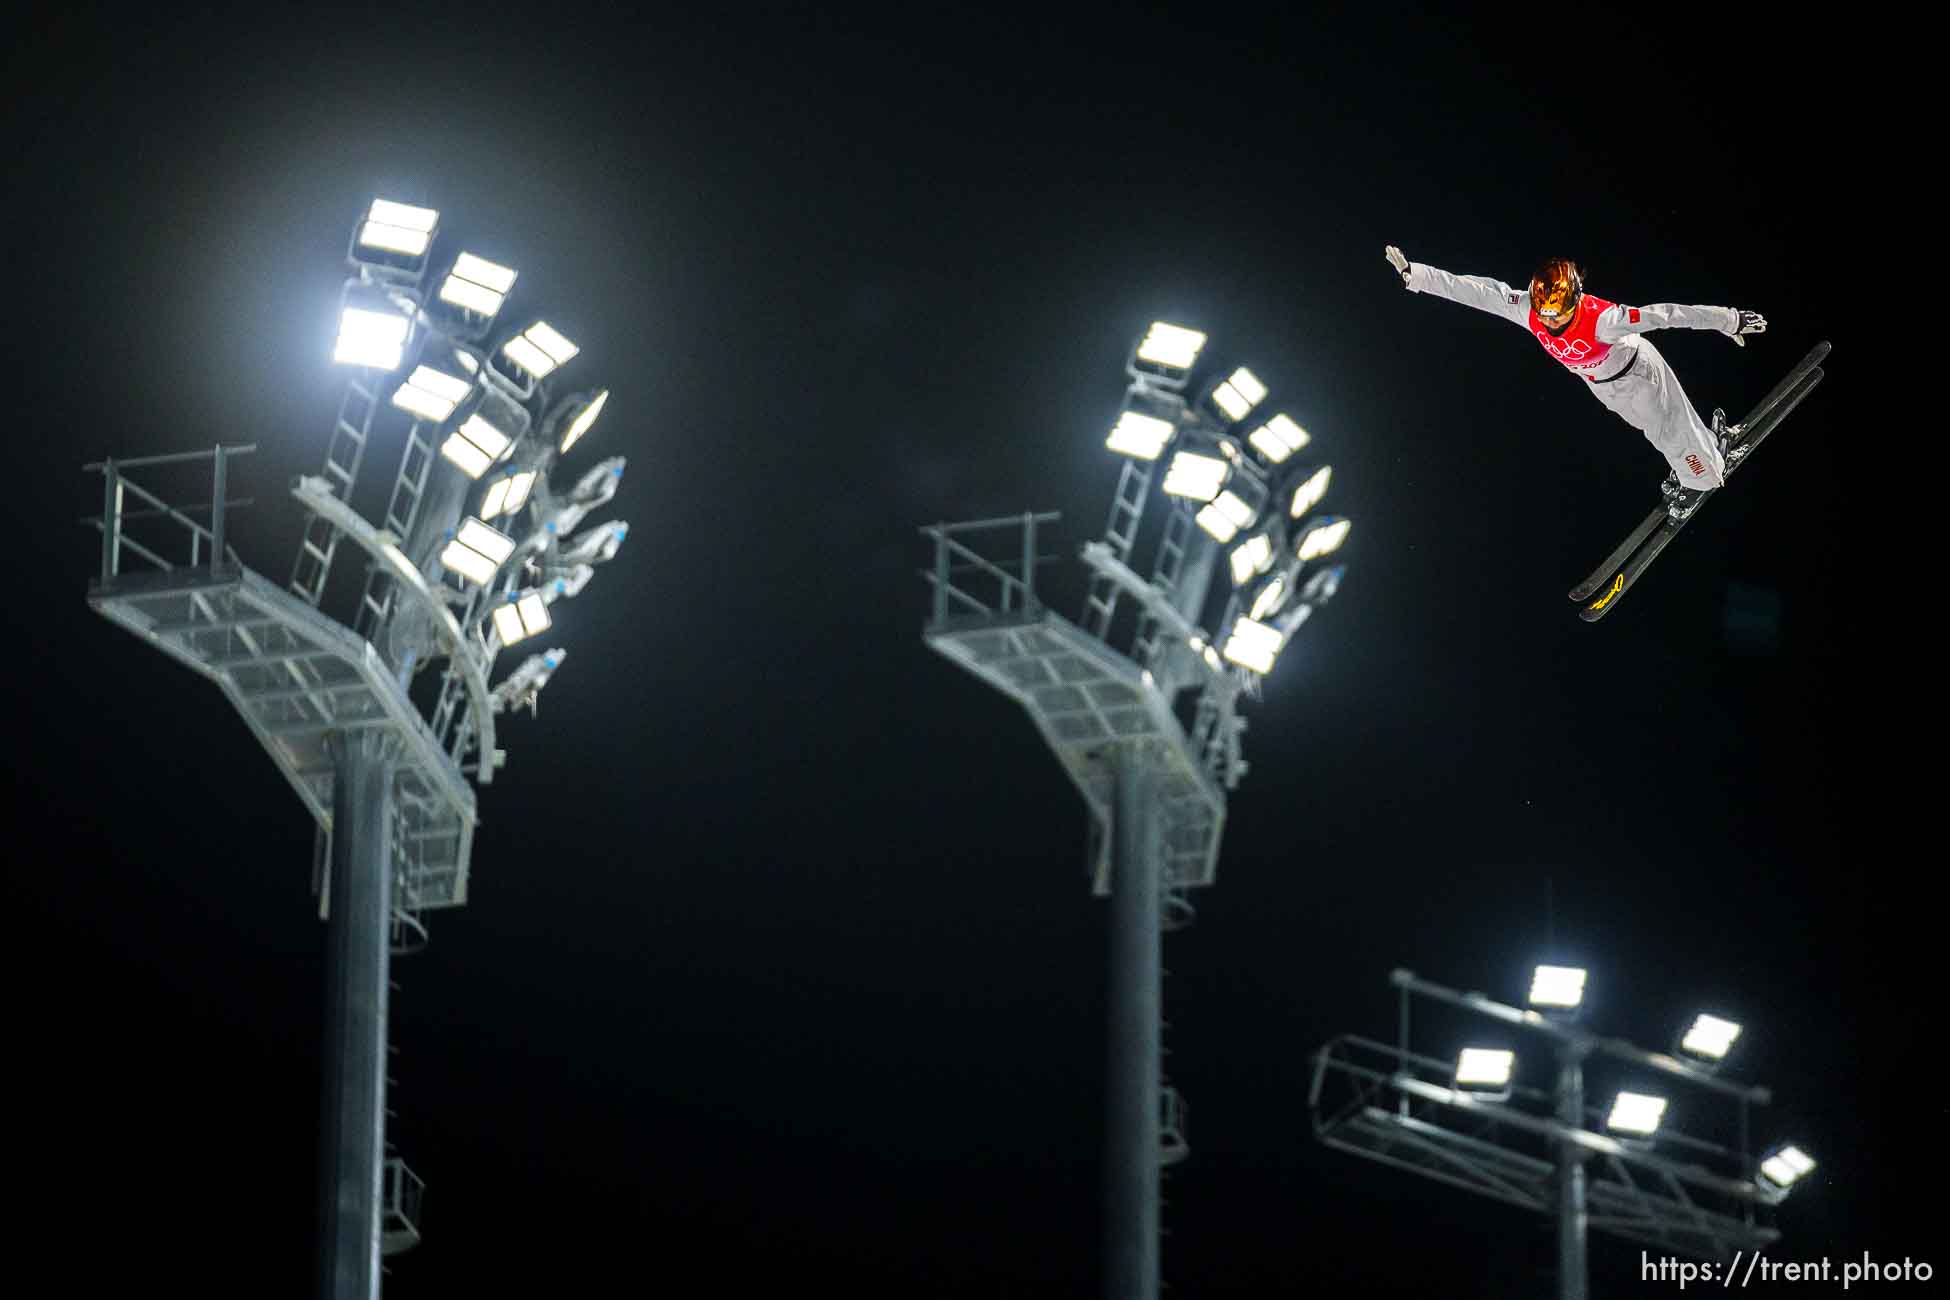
1577,347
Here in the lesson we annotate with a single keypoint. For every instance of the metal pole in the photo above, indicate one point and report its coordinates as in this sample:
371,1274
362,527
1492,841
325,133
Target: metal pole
1571,1284
357,954
940,575
216,513
1402,1104
1131,1109
1028,563
111,520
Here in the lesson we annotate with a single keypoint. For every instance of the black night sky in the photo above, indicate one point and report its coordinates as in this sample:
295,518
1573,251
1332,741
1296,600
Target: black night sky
781,972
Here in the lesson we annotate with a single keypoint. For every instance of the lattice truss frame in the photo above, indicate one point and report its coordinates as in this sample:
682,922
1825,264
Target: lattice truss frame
1388,1104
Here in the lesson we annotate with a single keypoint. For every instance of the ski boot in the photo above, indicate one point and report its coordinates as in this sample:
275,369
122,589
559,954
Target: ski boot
1680,501
1731,449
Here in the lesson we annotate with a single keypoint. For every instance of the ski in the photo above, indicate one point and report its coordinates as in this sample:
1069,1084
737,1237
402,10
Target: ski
1658,529
1607,569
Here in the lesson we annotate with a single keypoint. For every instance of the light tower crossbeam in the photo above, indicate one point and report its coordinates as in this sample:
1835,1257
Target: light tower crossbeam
1687,1209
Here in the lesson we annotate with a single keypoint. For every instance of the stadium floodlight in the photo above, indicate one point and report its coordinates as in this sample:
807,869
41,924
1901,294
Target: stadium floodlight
1226,516
477,285
1710,1038
1233,509
1253,645
522,616
1786,1166
1268,599
1635,1112
397,228
507,494
1311,491
432,394
539,350
1195,477
1239,394
1251,558
477,552
1485,1070
476,445
1172,347
375,339
1557,986
585,419
1322,537
1141,437
1279,438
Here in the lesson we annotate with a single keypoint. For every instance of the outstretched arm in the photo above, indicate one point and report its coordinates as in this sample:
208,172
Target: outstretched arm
1477,291
1621,320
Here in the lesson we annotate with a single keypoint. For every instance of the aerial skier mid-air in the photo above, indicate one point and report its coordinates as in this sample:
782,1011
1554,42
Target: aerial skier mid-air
1604,344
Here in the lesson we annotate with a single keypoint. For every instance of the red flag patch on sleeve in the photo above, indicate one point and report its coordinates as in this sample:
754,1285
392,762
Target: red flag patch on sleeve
1633,313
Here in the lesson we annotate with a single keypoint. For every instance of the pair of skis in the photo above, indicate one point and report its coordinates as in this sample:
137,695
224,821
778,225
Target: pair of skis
1601,593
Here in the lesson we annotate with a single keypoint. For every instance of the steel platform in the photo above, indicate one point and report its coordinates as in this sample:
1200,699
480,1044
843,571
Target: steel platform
295,676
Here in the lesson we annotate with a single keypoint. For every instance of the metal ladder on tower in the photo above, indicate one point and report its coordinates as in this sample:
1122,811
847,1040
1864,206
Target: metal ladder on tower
1125,512
402,512
1171,560
343,456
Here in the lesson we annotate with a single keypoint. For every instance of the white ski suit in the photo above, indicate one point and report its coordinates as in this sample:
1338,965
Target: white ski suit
1622,368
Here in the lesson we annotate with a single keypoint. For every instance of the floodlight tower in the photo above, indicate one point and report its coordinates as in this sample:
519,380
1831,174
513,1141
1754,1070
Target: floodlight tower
1150,733
473,547
1465,1120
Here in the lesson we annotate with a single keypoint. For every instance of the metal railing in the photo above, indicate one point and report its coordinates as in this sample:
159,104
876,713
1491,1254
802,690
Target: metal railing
208,544
952,558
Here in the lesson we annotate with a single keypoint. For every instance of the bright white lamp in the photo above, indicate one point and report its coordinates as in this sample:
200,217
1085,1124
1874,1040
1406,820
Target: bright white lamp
477,551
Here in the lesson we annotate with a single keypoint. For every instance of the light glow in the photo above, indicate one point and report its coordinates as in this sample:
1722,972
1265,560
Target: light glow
477,284
1269,598
1787,1166
472,460
539,349
1253,645
1227,514
1309,494
1557,986
397,227
403,215
1484,1067
1324,539
522,617
430,394
507,495
475,446
371,338
1238,395
1171,346
1635,1112
584,419
1251,558
1195,477
1710,1037
475,535
477,551
1141,437
1279,438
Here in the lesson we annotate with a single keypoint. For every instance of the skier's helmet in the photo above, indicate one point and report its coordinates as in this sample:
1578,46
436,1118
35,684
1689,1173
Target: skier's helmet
1555,289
